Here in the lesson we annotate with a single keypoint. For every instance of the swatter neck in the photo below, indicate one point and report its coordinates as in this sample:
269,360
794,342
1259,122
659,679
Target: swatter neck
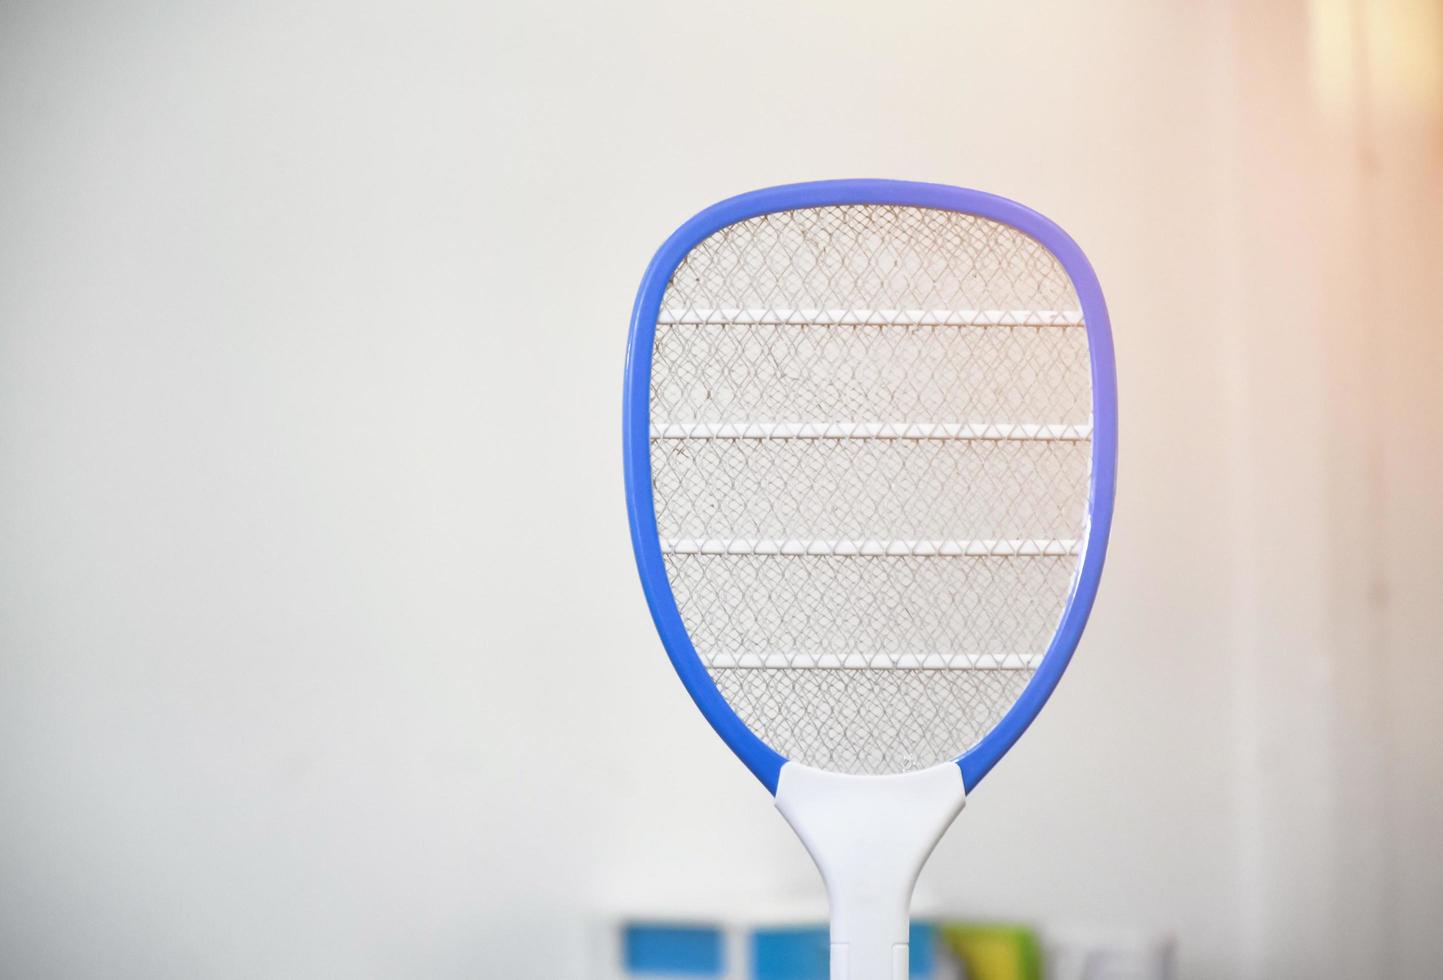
870,836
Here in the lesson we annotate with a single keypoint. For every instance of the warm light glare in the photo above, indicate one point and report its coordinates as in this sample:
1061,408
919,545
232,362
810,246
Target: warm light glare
1405,45
1334,32
1385,56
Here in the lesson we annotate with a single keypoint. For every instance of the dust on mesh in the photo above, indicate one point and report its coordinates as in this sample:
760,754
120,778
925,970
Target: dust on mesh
872,598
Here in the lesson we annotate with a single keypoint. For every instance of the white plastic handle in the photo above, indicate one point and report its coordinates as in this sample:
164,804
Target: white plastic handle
870,836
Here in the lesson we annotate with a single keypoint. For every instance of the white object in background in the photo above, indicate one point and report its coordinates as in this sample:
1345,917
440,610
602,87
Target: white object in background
870,836
1100,953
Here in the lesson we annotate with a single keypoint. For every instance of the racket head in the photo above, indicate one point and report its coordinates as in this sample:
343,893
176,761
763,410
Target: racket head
763,760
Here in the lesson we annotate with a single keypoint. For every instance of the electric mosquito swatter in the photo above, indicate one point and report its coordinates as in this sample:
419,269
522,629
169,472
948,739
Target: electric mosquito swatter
870,448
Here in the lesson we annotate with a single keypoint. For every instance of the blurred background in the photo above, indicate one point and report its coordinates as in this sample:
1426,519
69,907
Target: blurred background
322,651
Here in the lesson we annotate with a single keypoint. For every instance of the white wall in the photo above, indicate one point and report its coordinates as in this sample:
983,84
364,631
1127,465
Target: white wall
321,651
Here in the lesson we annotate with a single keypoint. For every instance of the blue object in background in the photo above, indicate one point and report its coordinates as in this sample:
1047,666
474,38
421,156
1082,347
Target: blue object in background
804,953
922,939
673,951
790,954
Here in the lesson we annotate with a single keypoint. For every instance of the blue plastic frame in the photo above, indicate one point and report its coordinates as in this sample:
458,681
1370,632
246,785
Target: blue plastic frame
764,761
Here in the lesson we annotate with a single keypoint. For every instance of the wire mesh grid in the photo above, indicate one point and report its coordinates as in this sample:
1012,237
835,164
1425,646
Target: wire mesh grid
870,462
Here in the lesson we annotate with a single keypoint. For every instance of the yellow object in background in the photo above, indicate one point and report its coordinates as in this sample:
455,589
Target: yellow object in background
994,952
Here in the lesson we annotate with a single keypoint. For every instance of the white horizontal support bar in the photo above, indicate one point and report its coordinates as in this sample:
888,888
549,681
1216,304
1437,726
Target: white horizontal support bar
875,661
1016,548
995,431
867,317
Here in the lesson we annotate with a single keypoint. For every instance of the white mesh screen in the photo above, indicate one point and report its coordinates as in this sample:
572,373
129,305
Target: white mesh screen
870,447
